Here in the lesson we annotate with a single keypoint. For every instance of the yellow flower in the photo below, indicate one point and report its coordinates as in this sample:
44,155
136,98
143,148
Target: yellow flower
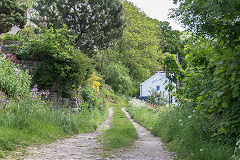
3,37
93,81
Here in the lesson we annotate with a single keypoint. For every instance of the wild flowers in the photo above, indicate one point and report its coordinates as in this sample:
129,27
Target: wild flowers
138,103
12,57
9,56
236,155
14,81
35,93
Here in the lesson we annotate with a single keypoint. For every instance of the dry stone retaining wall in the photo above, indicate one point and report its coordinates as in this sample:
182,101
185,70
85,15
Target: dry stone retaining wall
54,95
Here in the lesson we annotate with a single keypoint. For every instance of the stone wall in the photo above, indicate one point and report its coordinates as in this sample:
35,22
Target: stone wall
30,65
9,45
53,95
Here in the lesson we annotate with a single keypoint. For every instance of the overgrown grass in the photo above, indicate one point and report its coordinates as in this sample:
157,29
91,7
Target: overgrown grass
187,132
30,121
122,133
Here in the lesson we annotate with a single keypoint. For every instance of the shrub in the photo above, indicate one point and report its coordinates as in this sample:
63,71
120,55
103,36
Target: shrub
138,103
59,60
117,75
157,98
14,81
92,99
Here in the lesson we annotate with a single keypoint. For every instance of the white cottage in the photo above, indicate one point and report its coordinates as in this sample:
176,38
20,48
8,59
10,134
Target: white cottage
157,82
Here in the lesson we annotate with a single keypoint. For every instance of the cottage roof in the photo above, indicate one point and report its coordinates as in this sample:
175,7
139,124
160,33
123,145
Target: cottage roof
157,74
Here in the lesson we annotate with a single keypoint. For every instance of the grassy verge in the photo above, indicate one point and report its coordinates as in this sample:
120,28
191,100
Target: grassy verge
185,132
29,121
121,133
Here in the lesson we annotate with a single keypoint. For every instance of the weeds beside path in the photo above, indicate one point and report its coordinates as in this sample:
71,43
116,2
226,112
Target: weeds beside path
118,142
82,146
147,146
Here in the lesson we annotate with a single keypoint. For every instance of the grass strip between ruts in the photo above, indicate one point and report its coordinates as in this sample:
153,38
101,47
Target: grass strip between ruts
122,133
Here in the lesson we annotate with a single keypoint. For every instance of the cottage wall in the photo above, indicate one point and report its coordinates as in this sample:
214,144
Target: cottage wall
159,79
158,82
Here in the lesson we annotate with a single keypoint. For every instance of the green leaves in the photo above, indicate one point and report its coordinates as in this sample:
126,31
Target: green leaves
59,60
11,13
14,81
215,18
96,23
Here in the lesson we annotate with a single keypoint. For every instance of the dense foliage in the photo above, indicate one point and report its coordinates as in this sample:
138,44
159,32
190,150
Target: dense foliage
59,62
140,50
215,18
11,13
27,119
211,79
96,23
13,81
117,76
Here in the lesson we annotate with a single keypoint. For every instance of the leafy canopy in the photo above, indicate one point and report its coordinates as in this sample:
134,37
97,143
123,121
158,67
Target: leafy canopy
96,23
212,79
60,62
11,13
211,17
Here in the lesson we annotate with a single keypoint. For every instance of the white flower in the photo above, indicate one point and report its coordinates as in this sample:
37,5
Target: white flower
201,150
138,103
194,111
190,116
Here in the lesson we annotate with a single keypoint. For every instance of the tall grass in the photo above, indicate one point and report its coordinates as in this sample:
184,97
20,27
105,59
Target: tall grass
186,131
30,121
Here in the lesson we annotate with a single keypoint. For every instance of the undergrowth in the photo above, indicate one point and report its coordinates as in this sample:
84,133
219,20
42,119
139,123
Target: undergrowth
185,131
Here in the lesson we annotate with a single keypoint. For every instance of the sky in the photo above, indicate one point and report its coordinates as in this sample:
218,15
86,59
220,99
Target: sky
158,9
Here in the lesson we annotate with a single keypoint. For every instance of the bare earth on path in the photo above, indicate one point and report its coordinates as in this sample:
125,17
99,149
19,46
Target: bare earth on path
82,146
147,147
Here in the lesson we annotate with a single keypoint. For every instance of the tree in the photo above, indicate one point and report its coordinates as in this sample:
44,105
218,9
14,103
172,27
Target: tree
97,23
11,13
28,3
138,49
212,76
211,17
142,45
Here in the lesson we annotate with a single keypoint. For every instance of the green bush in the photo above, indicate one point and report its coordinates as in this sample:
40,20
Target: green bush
117,75
92,99
59,60
14,81
157,98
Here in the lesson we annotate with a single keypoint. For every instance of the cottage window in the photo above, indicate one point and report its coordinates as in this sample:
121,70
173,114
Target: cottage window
158,88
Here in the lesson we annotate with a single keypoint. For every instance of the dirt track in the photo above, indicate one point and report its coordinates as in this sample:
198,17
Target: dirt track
86,147
82,146
147,147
